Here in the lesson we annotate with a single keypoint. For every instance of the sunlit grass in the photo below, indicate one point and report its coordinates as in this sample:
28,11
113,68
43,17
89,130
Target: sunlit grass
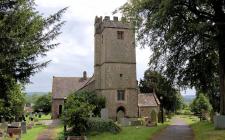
33,133
203,130
131,133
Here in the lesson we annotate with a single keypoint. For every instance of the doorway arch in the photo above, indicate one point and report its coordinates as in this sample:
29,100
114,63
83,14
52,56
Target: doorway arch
120,112
60,110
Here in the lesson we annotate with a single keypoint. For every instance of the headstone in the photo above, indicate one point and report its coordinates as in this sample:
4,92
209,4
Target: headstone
124,121
39,115
4,125
219,121
24,127
104,113
153,116
15,124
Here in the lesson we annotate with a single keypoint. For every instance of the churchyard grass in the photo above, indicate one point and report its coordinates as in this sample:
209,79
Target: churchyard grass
203,130
130,133
32,134
45,117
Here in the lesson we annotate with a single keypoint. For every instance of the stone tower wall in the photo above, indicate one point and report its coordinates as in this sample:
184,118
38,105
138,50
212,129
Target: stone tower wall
115,65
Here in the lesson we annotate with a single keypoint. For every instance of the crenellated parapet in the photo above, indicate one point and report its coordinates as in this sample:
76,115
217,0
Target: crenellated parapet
106,22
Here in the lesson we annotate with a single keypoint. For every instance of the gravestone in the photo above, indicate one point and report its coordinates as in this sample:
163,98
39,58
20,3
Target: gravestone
104,114
15,124
153,116
124,121
24,127
219,121
4,126
39,115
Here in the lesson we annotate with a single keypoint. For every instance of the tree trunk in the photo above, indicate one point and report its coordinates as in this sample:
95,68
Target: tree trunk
220,27
221,46
222,78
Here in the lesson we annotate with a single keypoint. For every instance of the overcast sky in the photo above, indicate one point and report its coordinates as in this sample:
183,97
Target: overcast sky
76,50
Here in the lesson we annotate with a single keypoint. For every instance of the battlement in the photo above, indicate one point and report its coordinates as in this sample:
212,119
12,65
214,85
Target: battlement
107,18
106,22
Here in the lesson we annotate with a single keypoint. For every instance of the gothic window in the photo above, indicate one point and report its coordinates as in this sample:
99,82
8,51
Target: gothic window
120,35
120,95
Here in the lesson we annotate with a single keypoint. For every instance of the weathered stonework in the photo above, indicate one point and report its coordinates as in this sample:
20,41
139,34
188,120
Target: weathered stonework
114,71
115,65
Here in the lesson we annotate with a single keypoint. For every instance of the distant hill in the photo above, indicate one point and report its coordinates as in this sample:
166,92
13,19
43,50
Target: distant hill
188,98
36,93
31,97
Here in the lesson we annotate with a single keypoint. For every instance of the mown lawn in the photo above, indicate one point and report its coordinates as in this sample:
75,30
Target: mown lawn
130,133
203,130
32,134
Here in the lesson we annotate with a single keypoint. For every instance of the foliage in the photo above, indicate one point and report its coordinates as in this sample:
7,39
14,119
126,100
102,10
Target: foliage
13,108
93,99
100,125
76,113
31,99
200,105
25,36
172,99
78,108
187,41
43,104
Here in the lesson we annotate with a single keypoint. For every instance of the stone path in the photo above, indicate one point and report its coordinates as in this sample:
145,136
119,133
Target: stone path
48,134
178,130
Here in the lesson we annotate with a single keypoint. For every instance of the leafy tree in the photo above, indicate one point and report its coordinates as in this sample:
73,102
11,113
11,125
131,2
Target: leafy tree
200,104
93,99
154,81
43,104
187,40
25,36
78,109
15,104
76,113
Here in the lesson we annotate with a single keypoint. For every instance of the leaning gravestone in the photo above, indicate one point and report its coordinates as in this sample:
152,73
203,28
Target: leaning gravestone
23,127
104,114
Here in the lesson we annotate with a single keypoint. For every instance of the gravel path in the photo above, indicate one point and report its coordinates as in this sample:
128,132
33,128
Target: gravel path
178,130
49,133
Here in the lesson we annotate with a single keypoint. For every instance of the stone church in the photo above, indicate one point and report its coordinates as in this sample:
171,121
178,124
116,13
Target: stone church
114,74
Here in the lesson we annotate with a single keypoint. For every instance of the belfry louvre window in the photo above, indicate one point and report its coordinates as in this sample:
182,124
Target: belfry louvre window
120,35
120,95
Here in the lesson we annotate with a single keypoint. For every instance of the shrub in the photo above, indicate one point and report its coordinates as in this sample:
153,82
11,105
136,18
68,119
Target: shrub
93,99
201,106
76,113
100,125
78,108
43,104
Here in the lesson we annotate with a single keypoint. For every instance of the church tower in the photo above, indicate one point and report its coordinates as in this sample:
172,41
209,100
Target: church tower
115,66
